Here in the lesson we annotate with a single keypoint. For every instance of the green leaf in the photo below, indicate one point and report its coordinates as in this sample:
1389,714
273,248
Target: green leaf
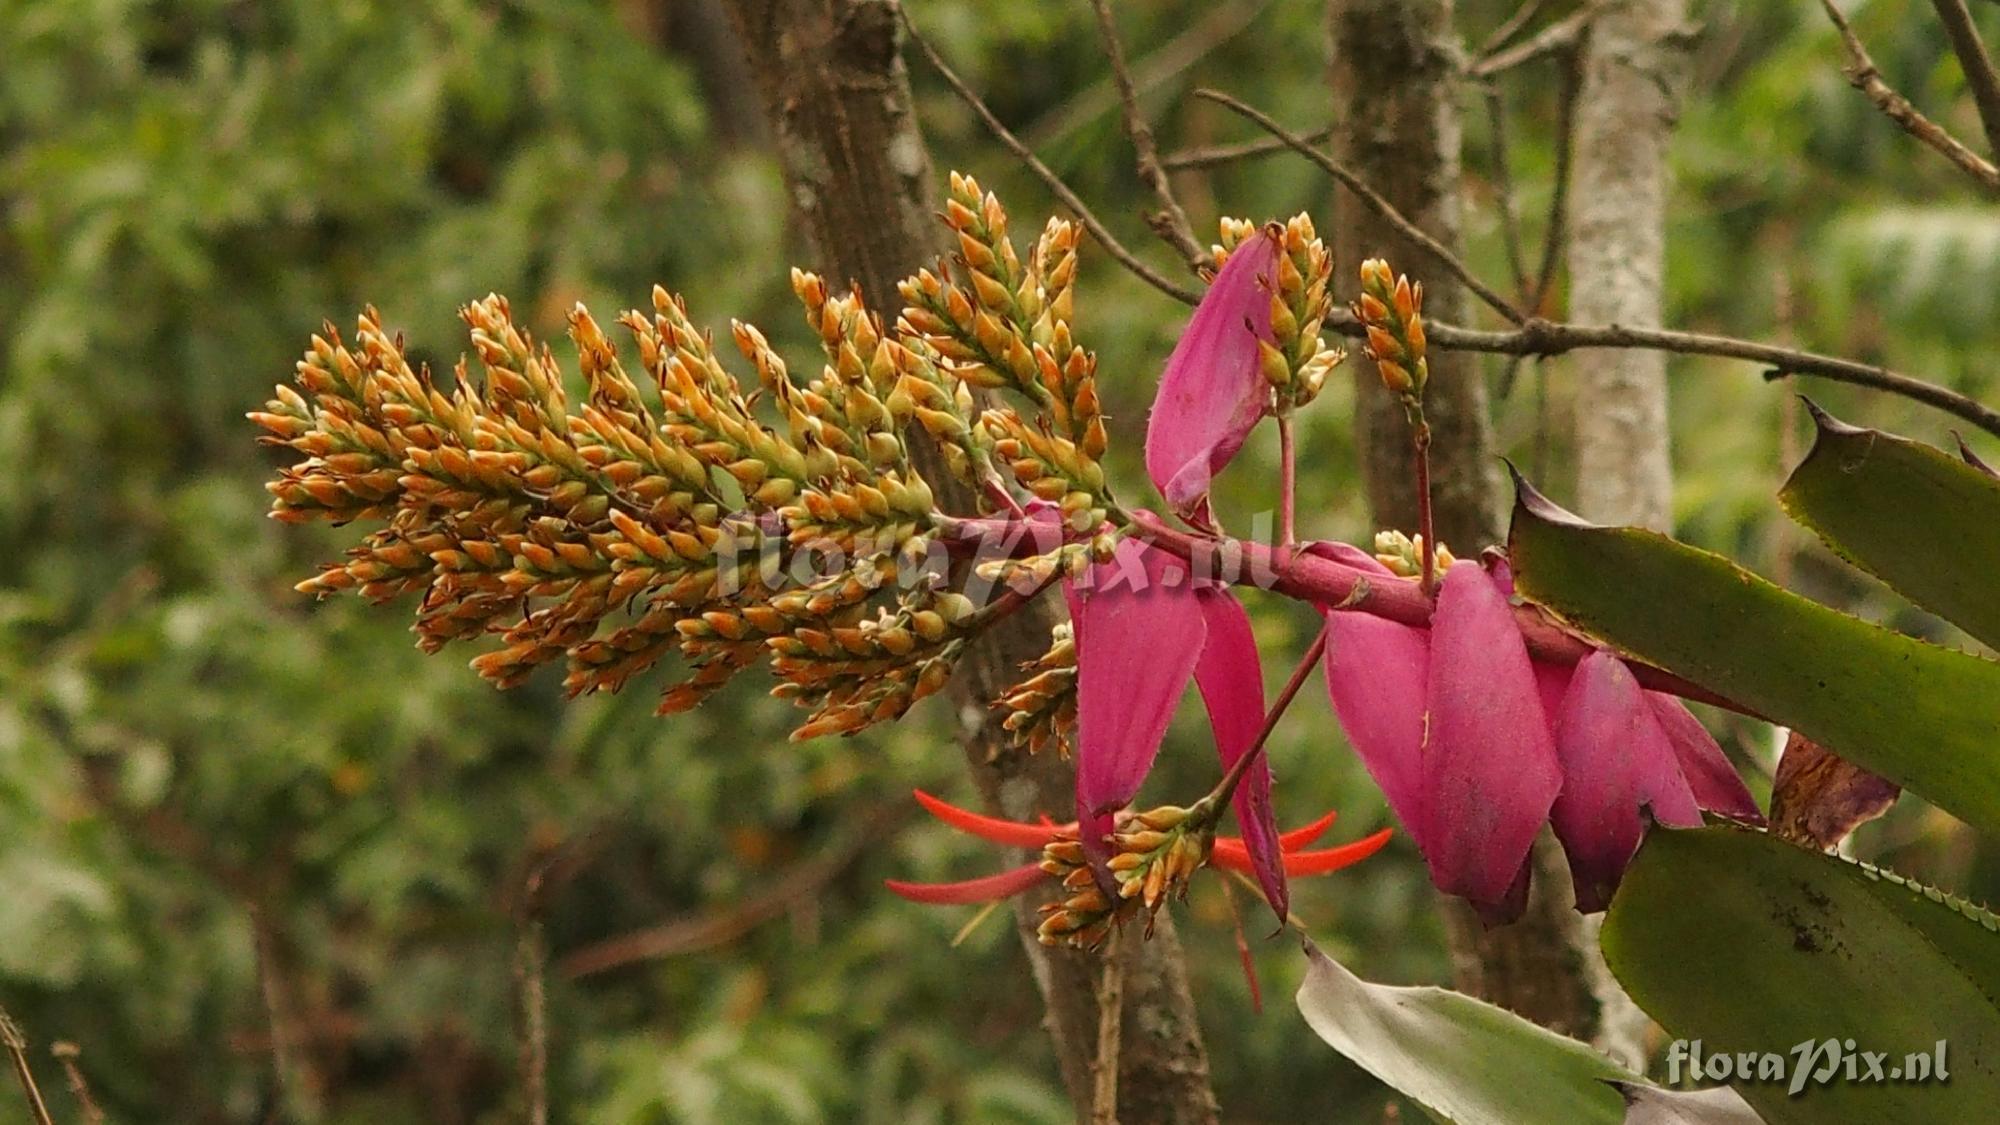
1462,1059
1749,943
1924,717
1926,523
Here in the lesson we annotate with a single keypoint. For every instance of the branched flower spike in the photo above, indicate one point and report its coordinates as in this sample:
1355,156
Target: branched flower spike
777,517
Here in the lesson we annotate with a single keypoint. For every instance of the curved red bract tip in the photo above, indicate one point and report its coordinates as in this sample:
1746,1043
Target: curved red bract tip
998,831
1329,860
1232,853
989,888
1306,834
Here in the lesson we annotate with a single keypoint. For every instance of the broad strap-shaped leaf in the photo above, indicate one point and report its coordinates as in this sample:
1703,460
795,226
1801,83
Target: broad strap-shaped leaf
1463,1060
1926,718
1926,523
1752,944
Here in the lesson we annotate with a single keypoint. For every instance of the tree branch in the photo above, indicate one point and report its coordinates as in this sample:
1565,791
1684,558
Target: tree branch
1556,38
66,1055
1223,23
720,927
1110,1029
1555,229
1540,337
1510,27
1863,76
1213,155
1171,223
16,1045
1374,201
1503,184
1977,64
1042,171
531,958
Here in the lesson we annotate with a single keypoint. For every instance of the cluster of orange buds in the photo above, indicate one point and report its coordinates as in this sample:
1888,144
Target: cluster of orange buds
1297,359
1008,326
874,669
1041,709
1083,919
1404,554
1391,309
984,326
1154,854
1049,466
517,512
624,527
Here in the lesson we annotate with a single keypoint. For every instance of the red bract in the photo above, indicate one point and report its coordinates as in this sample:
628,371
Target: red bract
1213,390
1476,747
1230,854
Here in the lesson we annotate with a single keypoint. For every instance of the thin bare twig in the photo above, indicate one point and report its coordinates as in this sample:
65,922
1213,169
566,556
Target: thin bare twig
1556,38
1171,222
1503,184
1510,27
66,1055
17,1048
1555,227
1556,230
1110,1029
1540,337
1374,201
1042,171
1223,23
1863,76
1977,64
531,995
709,930
294,1093
1210,156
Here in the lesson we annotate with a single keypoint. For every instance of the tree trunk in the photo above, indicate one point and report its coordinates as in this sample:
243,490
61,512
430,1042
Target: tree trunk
1632,72
860,179
1625,113
1398,128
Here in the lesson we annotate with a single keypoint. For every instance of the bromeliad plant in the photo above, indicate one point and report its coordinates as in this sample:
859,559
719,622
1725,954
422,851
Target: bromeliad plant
787,519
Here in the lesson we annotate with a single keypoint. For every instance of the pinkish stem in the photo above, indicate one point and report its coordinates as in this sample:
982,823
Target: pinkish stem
1226,788
1287,483
1324,582
1420,439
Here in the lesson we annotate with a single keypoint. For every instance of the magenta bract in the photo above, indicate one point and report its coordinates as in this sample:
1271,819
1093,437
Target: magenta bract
1213,392
1489,763
1616,761
1230,678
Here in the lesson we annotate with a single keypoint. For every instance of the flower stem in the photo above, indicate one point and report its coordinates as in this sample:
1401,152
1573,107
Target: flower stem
1420,441
1226,788
1287,483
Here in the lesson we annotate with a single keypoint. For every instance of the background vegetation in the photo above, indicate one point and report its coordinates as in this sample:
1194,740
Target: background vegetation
230,817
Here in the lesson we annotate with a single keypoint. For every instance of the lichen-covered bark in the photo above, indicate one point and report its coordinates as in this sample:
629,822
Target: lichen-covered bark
1625,113
1398,128
1632,72
861,185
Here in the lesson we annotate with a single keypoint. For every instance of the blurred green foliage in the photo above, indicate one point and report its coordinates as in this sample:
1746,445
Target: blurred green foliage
224,809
